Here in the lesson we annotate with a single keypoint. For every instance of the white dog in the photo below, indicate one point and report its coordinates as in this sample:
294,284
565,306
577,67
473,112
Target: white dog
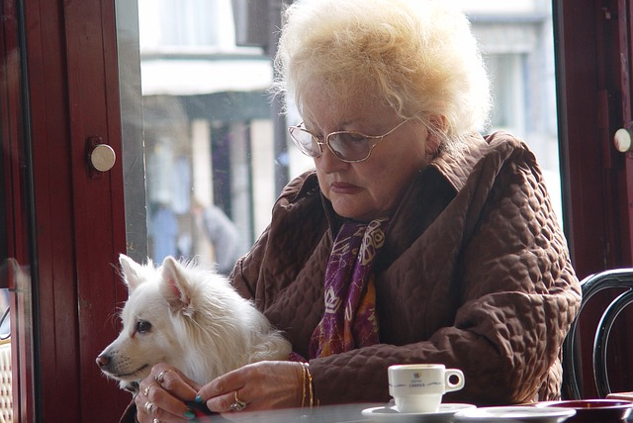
190,318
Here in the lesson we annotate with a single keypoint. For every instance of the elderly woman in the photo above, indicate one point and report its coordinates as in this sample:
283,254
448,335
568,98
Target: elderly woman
415,239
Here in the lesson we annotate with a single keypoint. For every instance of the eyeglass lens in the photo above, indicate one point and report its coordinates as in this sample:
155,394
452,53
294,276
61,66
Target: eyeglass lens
349,146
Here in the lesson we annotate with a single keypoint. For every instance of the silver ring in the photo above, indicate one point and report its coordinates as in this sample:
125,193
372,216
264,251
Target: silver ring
149,407
146,391
238,404
161,377
156,421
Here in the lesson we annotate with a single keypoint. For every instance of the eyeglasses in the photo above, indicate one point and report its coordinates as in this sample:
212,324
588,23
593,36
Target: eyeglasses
347,146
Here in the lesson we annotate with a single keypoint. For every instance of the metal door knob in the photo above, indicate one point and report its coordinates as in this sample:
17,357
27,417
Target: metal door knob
102,157
622,140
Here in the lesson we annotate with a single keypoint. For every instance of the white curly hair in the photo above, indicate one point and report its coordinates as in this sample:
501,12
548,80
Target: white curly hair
418,56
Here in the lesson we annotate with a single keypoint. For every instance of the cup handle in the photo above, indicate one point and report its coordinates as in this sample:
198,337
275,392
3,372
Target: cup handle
447,380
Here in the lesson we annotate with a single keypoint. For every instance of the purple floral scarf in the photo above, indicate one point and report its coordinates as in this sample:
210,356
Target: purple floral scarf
350,320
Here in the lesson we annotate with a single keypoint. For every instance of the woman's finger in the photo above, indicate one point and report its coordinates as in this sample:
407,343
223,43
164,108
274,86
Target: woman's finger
174,381
162,396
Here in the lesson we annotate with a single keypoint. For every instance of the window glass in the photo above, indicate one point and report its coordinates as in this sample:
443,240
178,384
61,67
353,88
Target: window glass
211,155
518,46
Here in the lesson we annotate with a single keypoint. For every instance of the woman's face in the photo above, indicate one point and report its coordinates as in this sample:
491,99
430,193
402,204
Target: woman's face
372,188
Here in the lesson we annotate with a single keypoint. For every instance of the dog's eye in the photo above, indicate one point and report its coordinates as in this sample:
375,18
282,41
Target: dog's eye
143,326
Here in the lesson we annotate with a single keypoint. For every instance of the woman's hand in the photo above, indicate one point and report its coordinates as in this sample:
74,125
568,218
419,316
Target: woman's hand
265,385
162,394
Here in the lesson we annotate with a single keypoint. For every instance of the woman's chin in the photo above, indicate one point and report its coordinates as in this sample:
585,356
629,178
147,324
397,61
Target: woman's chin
354,213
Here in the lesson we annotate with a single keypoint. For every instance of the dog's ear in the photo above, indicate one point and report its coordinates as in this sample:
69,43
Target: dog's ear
132,272
174,286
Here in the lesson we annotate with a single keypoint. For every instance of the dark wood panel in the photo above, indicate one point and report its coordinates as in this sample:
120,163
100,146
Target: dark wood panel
577,85
54,268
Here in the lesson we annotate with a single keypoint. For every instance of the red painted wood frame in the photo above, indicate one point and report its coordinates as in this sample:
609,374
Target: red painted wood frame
79,216
593,45
593,51
11,126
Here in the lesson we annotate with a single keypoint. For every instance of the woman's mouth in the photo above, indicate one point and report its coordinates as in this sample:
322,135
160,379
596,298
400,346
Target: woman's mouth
344,188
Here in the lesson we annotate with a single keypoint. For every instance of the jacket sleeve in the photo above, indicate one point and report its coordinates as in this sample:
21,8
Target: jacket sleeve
521,292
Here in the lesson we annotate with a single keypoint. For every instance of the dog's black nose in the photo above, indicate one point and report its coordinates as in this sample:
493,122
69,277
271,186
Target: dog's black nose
103,361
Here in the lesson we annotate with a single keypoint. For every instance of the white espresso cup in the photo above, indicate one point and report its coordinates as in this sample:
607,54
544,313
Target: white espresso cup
418,388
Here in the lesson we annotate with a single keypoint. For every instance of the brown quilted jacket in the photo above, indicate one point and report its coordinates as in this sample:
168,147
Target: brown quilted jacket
475,274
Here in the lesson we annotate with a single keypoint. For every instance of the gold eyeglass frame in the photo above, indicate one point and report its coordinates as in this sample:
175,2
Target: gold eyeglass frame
301,147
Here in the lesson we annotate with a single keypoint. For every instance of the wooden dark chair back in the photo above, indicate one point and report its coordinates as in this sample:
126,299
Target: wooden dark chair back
621,279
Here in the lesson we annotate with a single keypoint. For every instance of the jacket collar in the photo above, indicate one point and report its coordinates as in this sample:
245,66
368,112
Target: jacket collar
450,167
456,167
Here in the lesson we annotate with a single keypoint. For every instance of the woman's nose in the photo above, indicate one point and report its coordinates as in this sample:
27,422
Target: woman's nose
327,162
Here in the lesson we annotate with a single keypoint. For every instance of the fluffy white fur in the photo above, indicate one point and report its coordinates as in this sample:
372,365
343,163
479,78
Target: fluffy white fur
188,317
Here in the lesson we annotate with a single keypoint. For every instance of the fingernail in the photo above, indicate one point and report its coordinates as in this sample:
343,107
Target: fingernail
198,399
190,415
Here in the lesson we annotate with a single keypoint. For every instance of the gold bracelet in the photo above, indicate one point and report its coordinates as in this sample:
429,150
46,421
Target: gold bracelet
303,384
310,387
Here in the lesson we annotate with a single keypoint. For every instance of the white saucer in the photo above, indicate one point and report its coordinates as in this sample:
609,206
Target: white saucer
515,414
389,413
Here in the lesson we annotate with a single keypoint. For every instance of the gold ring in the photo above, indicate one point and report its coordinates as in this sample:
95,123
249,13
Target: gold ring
238,405
161,377
146,391
149,407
